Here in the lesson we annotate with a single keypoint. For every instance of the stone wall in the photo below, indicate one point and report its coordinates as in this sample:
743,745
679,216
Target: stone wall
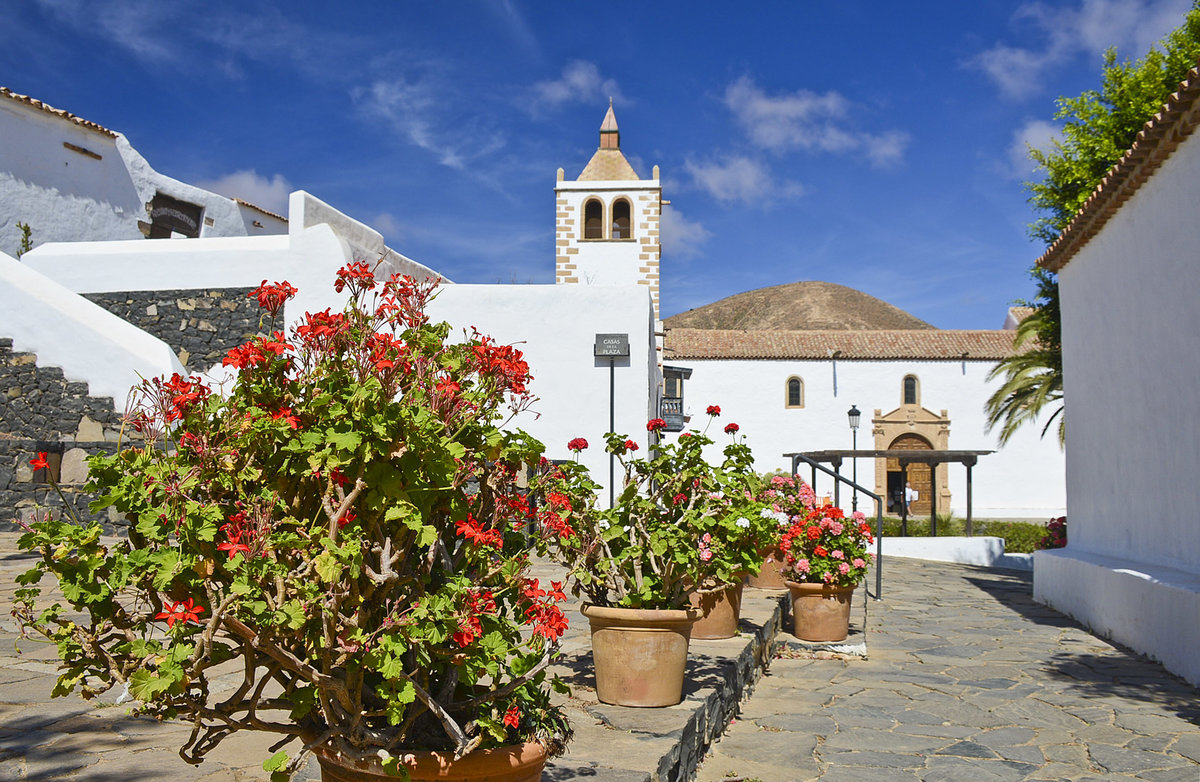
200,325
40,410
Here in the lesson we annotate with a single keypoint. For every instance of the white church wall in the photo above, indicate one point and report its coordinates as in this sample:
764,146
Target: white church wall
556,326
86,341
1022,480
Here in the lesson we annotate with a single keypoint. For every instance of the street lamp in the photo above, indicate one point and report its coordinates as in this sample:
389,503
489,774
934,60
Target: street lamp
853,414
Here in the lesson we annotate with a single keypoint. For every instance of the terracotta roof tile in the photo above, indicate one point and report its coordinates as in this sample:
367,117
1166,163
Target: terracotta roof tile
258,208
1159,138
37,104
933,344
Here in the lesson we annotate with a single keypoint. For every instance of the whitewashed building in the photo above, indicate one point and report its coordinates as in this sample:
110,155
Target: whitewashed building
1129,275
788,390
72,180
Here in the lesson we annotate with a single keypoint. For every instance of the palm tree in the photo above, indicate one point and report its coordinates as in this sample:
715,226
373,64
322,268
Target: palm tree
1033,378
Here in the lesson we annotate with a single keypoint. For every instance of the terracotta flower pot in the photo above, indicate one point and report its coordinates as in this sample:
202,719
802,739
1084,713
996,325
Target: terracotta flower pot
820,612
516,763
719,613
769,577
639,654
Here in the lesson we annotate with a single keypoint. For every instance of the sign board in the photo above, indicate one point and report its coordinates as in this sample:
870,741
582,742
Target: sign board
611,345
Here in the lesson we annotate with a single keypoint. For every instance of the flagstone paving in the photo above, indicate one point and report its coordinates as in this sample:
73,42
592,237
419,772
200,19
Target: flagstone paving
966,679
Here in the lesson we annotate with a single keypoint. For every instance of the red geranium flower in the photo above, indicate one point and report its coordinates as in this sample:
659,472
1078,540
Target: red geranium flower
512,717
655,424
731,428
40,462
578,444
630,445
713,410
181,611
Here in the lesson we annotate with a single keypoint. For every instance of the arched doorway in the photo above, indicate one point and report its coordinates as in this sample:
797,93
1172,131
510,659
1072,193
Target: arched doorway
918,476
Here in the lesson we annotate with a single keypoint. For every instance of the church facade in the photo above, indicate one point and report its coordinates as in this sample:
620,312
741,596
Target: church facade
790,389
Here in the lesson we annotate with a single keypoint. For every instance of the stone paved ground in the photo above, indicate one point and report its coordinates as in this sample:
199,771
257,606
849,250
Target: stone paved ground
967,679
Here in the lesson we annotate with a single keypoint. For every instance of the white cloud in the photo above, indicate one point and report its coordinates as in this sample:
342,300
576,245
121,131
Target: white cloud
414,108
733,179
1035,133
580,82
1088,27
387,224
810,121
681,237
739,178
270,193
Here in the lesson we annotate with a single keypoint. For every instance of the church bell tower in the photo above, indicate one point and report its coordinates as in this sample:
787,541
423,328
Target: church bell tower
608,220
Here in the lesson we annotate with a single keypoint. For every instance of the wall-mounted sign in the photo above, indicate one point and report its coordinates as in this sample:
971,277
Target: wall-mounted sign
611,345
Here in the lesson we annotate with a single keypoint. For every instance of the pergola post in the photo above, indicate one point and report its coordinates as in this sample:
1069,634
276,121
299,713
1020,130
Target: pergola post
933,499
969,463
903,498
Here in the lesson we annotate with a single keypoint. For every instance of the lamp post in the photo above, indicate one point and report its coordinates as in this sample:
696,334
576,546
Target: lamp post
853,414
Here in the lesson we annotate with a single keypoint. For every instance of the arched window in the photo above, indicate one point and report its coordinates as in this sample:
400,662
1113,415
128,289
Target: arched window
593,220
795,392
912,390
621,223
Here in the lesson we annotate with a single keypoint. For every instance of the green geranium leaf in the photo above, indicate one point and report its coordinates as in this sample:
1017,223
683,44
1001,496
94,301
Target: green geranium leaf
276,762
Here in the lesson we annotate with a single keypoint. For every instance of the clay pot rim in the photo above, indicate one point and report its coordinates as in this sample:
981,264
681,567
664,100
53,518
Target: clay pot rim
664,615
527,754
817,586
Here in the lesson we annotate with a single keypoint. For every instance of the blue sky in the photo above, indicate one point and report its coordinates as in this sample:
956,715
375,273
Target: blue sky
878,145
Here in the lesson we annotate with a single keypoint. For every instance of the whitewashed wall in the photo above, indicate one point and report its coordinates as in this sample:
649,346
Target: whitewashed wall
86,341
1131,364
556,326
1022,480
67,196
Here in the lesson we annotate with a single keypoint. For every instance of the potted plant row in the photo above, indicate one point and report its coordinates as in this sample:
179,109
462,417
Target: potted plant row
680,531
340,533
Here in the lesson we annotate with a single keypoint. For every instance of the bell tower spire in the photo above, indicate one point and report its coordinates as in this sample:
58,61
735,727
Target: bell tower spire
610,136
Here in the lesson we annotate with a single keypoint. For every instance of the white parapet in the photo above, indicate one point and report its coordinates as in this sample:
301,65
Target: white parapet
983,550
86,341
1152,609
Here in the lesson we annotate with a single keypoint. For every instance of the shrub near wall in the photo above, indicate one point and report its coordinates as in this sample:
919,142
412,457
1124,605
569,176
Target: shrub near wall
200,325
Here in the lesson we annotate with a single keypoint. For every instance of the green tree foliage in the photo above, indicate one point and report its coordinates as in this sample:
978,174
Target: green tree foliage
1099,126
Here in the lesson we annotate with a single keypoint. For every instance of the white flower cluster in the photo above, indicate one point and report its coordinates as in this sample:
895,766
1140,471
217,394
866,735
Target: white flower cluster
743,522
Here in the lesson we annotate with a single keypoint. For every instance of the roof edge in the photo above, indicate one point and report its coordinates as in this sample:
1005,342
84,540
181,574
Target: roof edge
60,113
1162,134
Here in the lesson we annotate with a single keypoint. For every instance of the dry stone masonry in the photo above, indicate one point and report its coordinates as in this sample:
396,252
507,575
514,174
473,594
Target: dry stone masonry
40,410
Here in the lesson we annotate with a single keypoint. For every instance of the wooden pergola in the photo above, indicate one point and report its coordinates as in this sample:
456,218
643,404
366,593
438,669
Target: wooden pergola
905,457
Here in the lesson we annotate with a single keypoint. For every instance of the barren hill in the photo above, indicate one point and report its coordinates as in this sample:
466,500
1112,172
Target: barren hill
798,306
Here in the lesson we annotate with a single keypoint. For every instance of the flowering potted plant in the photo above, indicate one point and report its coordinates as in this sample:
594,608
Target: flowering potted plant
786,496
344,525
679,526
826,556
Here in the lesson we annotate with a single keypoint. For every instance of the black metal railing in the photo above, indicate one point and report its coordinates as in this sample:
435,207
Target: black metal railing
838,480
